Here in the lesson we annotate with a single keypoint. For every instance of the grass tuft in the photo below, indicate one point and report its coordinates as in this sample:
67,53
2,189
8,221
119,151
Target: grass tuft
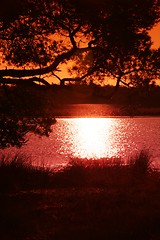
18,173
141,163
88,199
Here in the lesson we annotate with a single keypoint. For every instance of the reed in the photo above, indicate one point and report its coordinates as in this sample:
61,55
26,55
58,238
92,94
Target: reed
18,173
88,199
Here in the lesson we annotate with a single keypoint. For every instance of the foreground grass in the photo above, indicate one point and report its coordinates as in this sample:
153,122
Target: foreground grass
86,200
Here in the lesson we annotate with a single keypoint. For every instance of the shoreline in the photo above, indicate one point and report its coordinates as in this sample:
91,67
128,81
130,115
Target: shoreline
103,110
107,116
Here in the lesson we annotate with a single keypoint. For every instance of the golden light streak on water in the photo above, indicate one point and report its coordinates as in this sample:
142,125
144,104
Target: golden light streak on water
94,138
91,137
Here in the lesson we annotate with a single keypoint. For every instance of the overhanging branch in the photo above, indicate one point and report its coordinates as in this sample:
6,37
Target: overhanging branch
20,73
38,71
26,82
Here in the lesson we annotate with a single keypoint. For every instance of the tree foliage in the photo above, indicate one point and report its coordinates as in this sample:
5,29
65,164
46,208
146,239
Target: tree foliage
48,33
23,111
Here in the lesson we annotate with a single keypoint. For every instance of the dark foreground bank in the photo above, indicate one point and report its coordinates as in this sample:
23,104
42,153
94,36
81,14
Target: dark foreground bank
85,200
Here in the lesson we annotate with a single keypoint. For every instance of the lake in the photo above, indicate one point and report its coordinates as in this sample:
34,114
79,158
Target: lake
94,138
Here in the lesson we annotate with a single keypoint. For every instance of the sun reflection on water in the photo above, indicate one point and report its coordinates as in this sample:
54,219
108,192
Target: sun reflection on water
91,137
94,138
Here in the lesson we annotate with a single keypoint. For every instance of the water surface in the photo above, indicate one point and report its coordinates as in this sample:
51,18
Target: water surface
95,138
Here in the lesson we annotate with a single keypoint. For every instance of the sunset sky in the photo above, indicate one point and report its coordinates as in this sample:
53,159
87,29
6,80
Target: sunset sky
155,33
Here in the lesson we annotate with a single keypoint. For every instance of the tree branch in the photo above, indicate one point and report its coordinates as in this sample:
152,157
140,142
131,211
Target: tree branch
41,71
78,79
38,71
124,83
138,70
27,82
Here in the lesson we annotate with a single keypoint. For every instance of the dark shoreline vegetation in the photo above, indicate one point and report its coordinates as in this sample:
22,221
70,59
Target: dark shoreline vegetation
100,199
103,110
73,99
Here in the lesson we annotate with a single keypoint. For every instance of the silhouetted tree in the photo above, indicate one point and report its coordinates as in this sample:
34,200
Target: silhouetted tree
24,110
47,33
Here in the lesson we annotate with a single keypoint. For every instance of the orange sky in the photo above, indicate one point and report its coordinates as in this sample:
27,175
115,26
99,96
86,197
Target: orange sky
155,34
